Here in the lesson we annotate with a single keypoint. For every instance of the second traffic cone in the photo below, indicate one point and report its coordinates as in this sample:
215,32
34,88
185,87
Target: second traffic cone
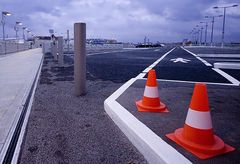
197,134
151,101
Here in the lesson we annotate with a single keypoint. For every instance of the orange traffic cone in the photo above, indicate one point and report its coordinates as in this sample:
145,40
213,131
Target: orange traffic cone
197,134
151,101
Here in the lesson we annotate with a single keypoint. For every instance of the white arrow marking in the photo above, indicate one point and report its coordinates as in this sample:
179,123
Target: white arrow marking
180,60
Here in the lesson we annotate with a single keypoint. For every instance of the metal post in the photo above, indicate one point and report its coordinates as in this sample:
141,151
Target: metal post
68,42
80,58
3,24
54,50
223,26
212,31
17,38
60,50
206,34
201,36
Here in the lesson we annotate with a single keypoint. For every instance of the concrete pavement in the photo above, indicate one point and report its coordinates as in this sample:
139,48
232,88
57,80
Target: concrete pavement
18,73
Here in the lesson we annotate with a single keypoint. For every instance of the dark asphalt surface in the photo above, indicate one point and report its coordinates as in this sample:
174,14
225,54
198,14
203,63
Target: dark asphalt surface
224,104
193,70
118,66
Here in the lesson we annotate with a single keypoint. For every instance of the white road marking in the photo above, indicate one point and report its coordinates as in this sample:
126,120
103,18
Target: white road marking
180,60
193,82
202,60
219,55
146,70
227,76
97,53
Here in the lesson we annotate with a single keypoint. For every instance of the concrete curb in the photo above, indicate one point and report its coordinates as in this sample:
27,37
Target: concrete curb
154,149
227,65
11,144
24,125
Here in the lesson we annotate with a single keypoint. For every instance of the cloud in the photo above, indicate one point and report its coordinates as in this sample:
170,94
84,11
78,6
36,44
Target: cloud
125,20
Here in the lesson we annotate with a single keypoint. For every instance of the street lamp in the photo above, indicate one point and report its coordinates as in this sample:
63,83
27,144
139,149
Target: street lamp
4,14
200,30
16,29
206,23
28,32
213,20
24,28
224,13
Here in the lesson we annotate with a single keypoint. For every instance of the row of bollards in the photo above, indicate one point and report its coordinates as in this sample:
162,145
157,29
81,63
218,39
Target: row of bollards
79,56
57,49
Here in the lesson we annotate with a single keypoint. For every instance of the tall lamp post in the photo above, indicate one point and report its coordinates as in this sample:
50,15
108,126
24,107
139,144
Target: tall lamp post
206,27
213,20
24,28
224,13
4,14
16,28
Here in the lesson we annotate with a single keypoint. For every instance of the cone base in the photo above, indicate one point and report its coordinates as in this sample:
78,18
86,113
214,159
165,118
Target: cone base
199,150
143,108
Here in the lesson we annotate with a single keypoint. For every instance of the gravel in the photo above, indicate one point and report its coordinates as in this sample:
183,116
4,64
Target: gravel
63,128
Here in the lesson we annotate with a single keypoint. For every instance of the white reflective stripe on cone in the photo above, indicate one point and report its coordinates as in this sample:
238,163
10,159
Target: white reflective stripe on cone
151,92
199,120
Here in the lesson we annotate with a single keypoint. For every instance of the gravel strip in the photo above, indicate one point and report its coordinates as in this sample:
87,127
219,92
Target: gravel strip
63,128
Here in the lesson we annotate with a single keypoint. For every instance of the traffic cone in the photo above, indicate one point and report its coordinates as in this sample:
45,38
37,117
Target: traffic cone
197,134
151,101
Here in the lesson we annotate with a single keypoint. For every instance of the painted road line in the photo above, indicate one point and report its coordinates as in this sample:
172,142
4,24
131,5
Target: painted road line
193,82
140,76
227,76
219,55
146,70
227,65
202,60
97,53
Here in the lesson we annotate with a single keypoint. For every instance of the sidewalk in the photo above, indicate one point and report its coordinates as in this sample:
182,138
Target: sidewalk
17,75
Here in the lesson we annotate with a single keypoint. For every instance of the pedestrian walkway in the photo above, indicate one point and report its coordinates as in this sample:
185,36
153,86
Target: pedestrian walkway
17,75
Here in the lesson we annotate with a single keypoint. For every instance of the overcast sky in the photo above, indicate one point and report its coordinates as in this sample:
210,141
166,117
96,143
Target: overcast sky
124,20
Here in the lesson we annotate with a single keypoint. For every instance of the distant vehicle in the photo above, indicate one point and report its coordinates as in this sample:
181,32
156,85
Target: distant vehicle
149,45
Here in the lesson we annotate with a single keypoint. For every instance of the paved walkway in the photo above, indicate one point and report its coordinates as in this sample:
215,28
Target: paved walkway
17,74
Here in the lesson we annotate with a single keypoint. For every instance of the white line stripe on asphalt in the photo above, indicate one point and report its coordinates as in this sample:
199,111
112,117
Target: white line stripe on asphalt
141,75
227,76
202,60
97,53
146,70
193,82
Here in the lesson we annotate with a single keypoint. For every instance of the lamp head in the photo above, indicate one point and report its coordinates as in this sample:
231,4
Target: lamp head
6,13
19,23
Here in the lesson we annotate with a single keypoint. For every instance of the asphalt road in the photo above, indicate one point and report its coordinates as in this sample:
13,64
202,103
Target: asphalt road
181,65
122,66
